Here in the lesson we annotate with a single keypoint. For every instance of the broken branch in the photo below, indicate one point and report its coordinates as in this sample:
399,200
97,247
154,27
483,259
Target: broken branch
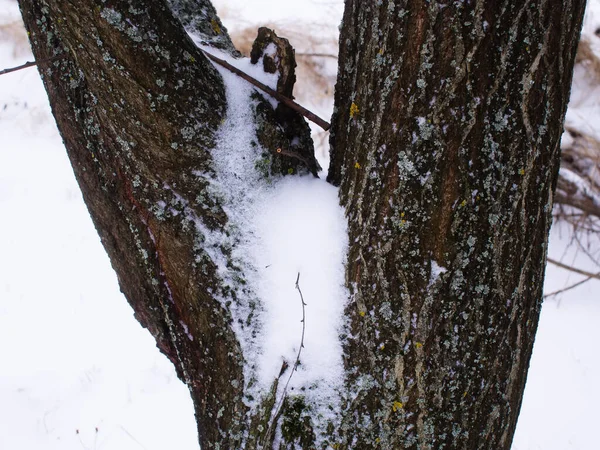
287,101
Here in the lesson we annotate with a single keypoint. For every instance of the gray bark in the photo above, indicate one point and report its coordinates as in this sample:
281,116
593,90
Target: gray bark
137,105
445,146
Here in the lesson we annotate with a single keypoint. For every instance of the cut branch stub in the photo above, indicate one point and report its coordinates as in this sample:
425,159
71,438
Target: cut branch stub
277,56
283,131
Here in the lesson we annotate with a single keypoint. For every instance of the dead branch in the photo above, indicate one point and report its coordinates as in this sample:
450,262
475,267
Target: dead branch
568,288
288,102
317,55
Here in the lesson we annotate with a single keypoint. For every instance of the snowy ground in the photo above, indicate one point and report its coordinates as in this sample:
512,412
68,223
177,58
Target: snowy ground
65,383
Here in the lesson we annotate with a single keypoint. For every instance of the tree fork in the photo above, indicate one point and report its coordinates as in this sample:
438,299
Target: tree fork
146,179
445,147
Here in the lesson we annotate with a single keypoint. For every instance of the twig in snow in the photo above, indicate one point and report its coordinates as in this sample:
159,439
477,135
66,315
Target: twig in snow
85,447
130,435
275,416
303,329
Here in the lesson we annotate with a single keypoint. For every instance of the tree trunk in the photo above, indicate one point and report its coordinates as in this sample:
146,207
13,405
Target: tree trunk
445,147
138,105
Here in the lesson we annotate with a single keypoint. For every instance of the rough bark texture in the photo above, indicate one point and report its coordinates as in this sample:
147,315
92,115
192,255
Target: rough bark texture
137,105
445,143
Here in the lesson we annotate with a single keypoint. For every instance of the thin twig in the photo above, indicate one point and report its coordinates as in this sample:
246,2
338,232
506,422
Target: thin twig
585,250
585,204
560,291
282,98
574,269
317,55
14,69
131,436
296,363
29,64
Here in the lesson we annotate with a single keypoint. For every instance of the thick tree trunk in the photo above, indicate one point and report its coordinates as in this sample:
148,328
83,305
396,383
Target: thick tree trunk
137,105
445,145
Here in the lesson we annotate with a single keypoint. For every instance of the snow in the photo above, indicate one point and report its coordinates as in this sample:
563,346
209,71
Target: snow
304,232
72,357
242,12
279,228
78,372
560,405
436,271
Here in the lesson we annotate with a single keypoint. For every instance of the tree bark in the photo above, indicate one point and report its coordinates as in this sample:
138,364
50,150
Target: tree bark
445,144
137,105
445,147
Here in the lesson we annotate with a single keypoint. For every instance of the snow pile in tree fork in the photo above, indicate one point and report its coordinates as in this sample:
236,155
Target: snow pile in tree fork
279,227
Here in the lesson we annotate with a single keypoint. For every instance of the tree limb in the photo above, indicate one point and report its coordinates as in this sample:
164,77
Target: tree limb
292,104
568,288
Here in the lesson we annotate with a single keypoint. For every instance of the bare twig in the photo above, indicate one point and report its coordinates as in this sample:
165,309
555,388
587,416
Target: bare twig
584,204
585,249
288,102
574,269
131,436
275,416
317,55
22,66
30,64
560,291
303,325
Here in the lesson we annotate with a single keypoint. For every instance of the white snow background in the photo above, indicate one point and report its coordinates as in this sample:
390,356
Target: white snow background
78,372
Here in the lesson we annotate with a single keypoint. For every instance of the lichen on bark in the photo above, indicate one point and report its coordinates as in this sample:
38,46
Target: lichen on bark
445,147
145,179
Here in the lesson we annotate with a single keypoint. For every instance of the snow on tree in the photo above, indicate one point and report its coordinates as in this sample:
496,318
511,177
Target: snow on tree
445,145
